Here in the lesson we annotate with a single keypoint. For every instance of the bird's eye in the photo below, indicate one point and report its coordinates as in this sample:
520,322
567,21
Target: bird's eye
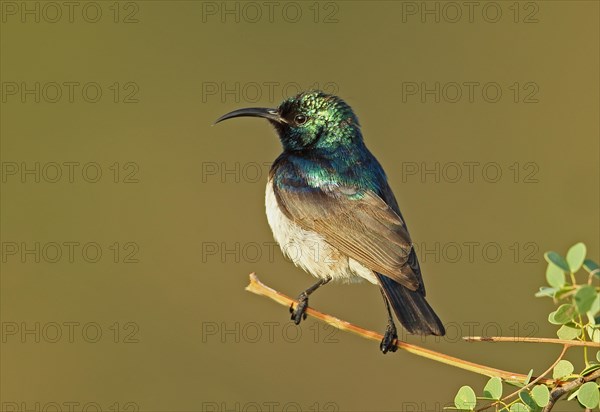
300,119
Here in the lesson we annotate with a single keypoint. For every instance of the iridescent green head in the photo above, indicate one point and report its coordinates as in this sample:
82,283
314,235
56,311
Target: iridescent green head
309,120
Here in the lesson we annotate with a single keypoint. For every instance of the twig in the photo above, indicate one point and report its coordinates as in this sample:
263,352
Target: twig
558,392
530,384
257,287
531,340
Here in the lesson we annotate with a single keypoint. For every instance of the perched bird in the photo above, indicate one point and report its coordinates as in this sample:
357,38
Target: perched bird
333,213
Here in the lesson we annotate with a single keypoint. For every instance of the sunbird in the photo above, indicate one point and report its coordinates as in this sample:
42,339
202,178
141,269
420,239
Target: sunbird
329,198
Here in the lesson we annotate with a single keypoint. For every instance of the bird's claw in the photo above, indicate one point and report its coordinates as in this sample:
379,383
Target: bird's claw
388,343
299,313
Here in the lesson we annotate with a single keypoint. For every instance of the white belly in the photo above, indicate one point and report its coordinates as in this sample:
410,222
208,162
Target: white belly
309,250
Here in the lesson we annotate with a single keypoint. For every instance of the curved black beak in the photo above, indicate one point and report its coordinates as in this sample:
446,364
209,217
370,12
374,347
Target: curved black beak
266,113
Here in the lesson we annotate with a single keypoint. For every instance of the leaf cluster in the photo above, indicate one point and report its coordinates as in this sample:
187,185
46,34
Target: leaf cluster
577,317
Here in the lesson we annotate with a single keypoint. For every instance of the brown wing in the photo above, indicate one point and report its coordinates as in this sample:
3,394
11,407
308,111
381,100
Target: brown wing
356,222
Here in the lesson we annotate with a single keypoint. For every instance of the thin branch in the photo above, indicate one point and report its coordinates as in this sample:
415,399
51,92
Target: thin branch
531,340
530,384
558,392
257,287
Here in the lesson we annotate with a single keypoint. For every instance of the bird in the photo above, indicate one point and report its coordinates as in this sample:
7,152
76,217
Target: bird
333,213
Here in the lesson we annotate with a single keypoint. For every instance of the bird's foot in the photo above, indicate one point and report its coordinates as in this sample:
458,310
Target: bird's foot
388,343
300,312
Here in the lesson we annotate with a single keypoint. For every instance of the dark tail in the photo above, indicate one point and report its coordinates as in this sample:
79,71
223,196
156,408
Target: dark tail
411,308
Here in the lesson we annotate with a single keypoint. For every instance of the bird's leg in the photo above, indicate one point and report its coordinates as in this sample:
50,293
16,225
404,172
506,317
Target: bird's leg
391,335
300,312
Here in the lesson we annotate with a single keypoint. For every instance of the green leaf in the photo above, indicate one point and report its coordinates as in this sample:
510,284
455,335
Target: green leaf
546,291
518,407
528,379
595,308
598,355
541,395
557,260
591,266
529,401
563,368
573,395
567,332
465,399
493,389
551,318
584,298
575,256
555,276
590,369
564,314
563,291
588,395
593,333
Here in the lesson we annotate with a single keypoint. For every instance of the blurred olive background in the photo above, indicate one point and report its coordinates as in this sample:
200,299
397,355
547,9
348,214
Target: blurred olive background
178,212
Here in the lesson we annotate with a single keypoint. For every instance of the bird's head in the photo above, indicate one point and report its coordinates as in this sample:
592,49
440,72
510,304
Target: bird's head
309,120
